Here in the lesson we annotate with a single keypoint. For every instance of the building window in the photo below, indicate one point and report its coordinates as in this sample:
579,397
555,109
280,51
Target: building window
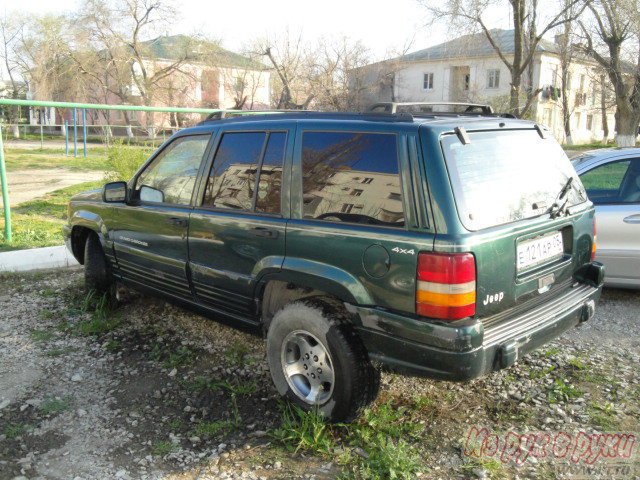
493,78
367,180
589,122
356,192
427,81
467,82
582,79
394,196
346,208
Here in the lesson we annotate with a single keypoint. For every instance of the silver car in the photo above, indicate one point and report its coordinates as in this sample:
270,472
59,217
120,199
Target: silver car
612,180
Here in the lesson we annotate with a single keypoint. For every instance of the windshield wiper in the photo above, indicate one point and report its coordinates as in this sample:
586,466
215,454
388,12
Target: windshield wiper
559,207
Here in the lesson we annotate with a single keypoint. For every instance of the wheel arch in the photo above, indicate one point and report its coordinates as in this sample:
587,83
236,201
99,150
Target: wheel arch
83,223
275,290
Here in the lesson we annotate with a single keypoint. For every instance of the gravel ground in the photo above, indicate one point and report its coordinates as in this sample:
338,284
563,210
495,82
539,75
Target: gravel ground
153,391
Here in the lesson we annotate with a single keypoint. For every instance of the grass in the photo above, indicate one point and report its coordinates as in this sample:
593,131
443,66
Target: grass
378,445
213,429
171,358
15,430
562,391
237,353
59,352
27,159
603,416
52,406
589,146
103,319
41,335
38,222
163,448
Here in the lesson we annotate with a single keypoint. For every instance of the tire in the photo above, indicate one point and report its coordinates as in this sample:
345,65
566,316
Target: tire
350,383
96,269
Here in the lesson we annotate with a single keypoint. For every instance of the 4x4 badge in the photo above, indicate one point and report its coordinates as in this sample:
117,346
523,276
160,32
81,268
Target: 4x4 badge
403,250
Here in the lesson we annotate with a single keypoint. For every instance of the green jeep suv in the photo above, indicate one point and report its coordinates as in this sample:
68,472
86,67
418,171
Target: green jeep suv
445,246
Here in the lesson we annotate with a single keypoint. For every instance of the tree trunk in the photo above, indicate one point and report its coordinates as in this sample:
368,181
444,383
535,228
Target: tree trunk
127,120
626,125
15,128
514,96
603,109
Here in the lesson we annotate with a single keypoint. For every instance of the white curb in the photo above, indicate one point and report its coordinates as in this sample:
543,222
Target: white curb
36,259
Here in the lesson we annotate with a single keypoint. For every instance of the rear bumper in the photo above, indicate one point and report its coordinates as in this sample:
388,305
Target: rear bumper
470,350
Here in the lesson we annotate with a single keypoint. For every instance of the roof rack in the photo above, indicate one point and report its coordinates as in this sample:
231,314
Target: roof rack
430,107
239,116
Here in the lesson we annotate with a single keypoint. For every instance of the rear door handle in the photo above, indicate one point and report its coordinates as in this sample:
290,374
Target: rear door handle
178,222
632,219
264,232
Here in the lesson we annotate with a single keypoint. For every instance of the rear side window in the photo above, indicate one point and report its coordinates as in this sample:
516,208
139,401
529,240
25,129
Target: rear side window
615,182
506,176
351,177
242,161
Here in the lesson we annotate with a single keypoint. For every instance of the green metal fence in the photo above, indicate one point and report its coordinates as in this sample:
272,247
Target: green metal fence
83,107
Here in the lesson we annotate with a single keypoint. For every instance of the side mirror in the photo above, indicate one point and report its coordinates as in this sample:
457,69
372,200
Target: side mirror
115,192
150,194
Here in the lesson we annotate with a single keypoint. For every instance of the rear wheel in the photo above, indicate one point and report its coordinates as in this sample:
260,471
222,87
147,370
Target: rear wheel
96,269
317,360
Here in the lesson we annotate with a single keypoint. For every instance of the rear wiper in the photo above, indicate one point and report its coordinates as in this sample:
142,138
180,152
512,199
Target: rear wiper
559,207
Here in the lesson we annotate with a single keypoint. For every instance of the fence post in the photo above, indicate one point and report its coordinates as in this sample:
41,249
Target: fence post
75,132
66,138
5,194
41,137
84,131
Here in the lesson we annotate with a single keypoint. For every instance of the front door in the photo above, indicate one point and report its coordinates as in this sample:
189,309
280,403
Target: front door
238,229
614,188
151,239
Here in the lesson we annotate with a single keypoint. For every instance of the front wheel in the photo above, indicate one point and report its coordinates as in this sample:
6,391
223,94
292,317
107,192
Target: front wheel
96,269
317,360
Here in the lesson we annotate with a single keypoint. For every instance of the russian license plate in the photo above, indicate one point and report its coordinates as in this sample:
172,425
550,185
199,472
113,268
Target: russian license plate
539,250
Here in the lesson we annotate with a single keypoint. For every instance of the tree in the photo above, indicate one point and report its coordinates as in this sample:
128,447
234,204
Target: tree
122,62
611,37
528,29
11,30
335,75
288,56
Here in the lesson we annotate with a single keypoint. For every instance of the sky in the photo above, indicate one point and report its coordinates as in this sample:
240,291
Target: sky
384,26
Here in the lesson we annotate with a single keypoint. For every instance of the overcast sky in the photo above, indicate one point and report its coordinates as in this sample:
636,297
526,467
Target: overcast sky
384,26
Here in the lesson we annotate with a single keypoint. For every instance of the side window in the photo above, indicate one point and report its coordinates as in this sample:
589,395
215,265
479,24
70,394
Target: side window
351,177
616,182
171,176
270,185
232,177
234,173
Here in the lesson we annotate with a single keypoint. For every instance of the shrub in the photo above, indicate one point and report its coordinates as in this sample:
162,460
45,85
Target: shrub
123,160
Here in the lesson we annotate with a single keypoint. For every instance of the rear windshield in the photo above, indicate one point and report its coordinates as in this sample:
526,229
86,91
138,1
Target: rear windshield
505,176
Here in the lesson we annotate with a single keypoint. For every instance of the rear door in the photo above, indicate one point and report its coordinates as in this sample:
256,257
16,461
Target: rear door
614,187
237,229
502,185
353,210
150,240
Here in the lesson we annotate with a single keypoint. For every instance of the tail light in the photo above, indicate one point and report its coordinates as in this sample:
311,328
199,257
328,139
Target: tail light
593,244
446,285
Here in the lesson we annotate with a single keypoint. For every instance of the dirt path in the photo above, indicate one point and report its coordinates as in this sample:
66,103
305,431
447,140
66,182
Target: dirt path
26,185
151,391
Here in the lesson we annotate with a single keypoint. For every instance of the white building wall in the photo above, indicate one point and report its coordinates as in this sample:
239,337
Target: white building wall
409,80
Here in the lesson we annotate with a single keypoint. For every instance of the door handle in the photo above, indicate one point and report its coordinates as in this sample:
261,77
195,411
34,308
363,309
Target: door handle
177,221
632,219
264,232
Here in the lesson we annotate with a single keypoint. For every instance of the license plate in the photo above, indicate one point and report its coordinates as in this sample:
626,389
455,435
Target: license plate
539,250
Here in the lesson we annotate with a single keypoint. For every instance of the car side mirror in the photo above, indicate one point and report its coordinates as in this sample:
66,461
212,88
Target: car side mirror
150,194
115,192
